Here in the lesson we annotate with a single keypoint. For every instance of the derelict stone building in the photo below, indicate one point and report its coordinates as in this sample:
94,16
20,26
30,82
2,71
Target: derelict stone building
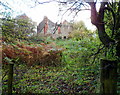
48,28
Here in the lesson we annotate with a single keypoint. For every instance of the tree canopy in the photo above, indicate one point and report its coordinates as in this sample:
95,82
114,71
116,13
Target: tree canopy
20,27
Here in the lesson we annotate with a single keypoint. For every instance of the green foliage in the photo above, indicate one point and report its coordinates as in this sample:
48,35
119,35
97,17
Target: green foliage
111,19
8,30
80,31
19,28
79,73
80,26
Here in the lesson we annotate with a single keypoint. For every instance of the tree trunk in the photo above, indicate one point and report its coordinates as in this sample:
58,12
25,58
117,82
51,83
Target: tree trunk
97,19
104,38
108,77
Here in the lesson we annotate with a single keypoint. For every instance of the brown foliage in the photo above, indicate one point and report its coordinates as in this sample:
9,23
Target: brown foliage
44,55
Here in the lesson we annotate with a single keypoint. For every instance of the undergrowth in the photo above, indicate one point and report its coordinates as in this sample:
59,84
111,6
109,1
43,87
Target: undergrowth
79,72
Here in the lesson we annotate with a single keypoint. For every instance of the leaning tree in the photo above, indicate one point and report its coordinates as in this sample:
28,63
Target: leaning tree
107,16
98,19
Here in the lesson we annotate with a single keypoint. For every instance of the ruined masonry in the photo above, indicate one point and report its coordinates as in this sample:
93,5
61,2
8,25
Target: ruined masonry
47,28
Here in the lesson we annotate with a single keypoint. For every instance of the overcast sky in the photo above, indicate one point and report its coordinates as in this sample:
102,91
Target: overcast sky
51,10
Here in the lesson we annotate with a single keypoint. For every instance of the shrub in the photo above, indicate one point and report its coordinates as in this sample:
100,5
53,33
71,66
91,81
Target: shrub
41,54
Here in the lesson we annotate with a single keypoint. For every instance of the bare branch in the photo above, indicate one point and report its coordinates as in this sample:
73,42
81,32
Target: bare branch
68,9
98,51
37,2
76,7
5,5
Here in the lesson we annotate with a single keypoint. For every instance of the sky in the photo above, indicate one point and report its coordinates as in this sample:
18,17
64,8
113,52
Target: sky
51,10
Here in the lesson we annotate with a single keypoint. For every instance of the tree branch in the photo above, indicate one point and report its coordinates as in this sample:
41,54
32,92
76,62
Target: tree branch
99,49
94,14
97,20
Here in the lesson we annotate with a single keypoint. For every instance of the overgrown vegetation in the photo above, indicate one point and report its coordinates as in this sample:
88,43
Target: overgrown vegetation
54,66
44,65
75,75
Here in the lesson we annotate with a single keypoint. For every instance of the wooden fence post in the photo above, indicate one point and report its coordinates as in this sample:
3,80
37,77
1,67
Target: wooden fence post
108,77
10,78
